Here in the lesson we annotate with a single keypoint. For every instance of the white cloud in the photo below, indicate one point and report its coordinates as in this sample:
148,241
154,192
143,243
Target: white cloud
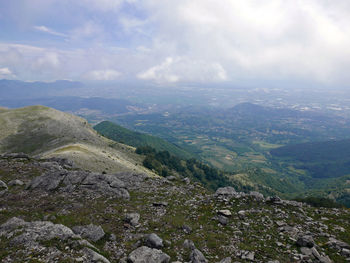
6,73
183,69
258,39
196,41
104,75
49,31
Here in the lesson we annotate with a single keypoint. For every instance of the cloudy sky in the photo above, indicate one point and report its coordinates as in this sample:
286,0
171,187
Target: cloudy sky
176,41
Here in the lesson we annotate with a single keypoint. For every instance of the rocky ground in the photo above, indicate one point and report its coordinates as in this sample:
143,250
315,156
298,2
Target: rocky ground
51,211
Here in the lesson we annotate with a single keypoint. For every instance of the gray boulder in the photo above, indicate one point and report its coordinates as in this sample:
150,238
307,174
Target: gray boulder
90,232
305,241
16,182
188,244
226,260
153,241
197,257
47,182
337,244
93,256
258,196
226,192
147,255
74,180
132,219
33,232
223,220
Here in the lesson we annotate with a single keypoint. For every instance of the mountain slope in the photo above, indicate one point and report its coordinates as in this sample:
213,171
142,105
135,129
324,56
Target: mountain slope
51,213
46,132
136,139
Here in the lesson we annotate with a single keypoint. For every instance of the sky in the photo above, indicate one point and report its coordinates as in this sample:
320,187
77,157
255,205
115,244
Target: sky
168,42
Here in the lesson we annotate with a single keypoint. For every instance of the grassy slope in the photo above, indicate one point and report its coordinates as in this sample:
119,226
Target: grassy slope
45,132
136,139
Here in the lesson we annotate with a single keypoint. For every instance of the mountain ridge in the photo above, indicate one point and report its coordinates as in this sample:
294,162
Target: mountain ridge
45,132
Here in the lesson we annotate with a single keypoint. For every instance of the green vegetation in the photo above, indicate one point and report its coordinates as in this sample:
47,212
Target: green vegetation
136,139
321,159
244,140
319,202
164,164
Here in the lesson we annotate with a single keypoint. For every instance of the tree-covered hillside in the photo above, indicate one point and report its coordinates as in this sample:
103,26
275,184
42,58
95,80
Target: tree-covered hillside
321,159
136,139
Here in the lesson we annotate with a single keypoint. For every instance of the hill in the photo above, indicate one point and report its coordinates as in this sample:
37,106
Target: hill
325,159
46,132
120,134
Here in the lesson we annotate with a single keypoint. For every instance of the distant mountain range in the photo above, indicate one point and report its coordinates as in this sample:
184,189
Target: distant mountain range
10,89
15,94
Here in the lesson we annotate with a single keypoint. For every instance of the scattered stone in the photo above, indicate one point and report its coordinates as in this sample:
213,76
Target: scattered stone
159,204
226,260
226,192
258,196
274,199
188,244
225,212
222,220
112,237
280,223
187,229
241,214
306,251
186,180
197,257
132,218
305,241
153,241
15,183
337,244
16,156
147,255
93,256
91,232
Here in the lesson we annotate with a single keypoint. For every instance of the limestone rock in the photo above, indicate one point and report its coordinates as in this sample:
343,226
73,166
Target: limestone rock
147,255
197,257
226,260
305,241
132,219
90,232
225,212
15,182
153,241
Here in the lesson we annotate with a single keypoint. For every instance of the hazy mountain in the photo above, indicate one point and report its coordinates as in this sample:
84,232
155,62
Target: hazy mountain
10,89
73,104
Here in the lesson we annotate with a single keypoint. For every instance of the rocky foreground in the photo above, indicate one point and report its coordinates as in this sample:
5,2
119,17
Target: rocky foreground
52,212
